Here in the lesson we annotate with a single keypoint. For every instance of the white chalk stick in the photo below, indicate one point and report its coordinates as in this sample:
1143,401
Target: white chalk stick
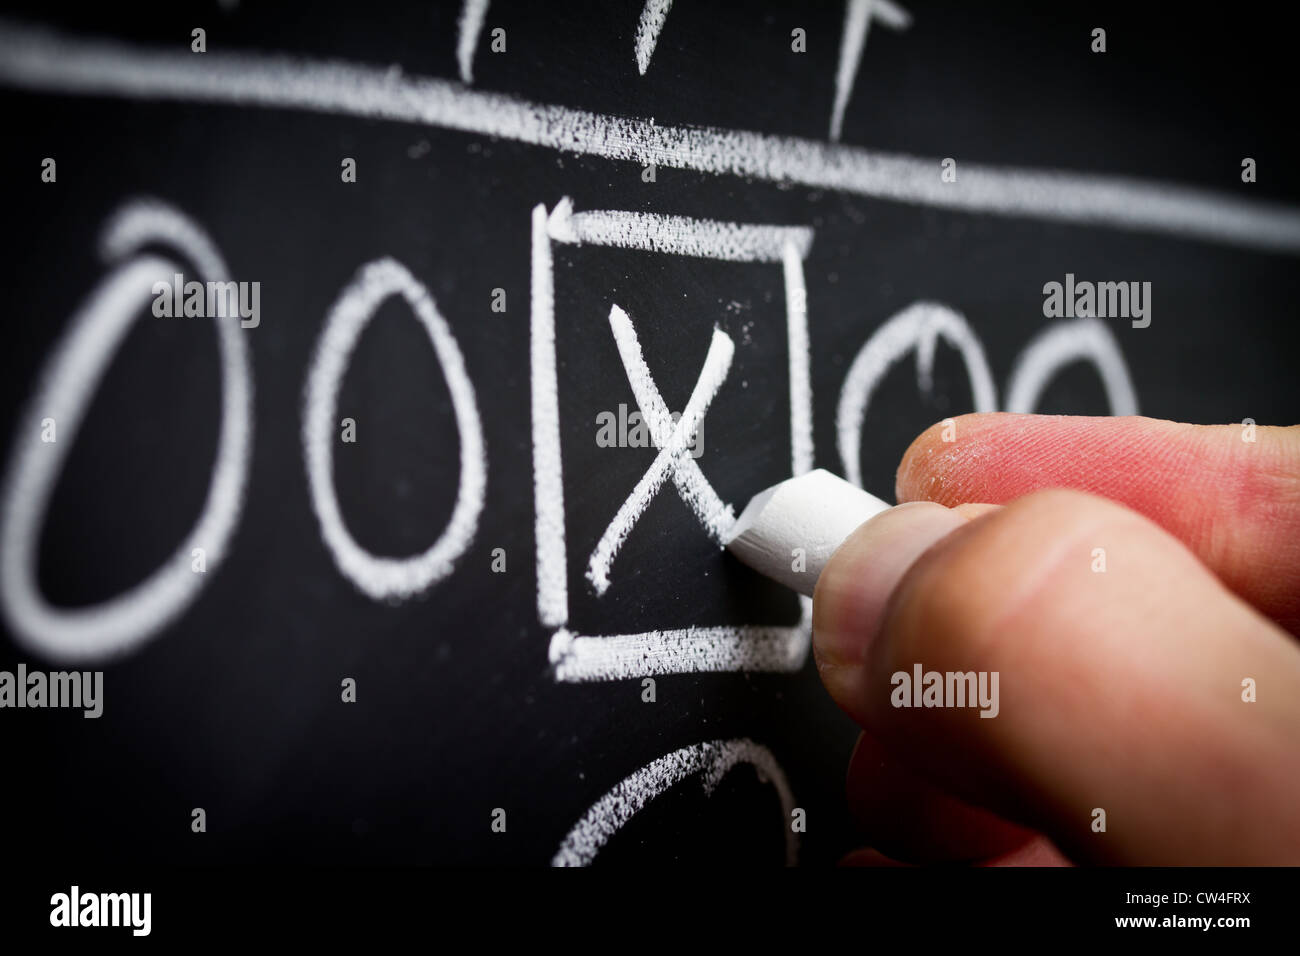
790,531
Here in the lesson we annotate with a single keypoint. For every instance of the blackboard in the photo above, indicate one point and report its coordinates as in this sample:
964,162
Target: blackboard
699,196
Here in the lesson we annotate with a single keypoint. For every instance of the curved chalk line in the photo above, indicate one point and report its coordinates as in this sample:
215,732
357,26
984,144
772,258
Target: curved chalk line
918,327
712,761
1054,348
391,578
144,222
68,381
38,59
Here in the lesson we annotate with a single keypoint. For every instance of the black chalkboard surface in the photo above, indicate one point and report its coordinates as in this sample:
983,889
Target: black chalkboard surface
483,237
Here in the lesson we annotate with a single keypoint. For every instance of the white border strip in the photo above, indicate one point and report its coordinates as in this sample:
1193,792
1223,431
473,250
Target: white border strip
37,59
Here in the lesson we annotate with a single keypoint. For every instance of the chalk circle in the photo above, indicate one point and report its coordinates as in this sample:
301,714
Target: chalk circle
378,577
1054,348
711,761
918,327
67,383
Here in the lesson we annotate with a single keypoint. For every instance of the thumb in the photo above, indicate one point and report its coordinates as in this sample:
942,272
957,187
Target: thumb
1119,683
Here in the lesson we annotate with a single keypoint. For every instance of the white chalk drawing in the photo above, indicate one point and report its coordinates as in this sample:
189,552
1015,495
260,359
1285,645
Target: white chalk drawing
39,59
674,459
677,235
651,24
67,384
379,577
858,15
796,333
921,325
918,327
711,761
472,15
548,483
1058,346
46,61
143,222
576,657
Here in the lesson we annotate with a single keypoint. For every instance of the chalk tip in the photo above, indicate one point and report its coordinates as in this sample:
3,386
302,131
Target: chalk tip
789,531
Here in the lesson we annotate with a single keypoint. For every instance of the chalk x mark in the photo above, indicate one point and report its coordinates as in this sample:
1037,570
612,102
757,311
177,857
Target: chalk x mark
37,59
674,459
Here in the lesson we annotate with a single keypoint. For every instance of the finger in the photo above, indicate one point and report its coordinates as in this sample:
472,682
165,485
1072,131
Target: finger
897,811
867,857
903,815
896,538
1235,503
1037,852
1118,690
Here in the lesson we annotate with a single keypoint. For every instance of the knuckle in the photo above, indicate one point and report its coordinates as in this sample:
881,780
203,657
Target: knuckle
977,595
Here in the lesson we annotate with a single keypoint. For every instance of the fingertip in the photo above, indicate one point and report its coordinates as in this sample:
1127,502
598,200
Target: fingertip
905,816
927,467
867,857
855,586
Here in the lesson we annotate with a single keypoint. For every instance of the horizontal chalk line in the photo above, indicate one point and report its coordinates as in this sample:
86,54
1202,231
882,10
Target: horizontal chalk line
38,59
692,650
677,235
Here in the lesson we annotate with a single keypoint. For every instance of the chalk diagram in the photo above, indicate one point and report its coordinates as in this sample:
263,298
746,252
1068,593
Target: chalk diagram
47,62
576,657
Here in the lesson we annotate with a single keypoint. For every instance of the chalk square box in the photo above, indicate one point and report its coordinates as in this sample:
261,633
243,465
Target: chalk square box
613,656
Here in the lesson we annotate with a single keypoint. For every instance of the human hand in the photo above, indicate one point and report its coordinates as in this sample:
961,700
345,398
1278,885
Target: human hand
1128,620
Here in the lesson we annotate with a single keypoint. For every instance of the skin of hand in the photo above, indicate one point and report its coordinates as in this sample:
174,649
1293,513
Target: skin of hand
1125,684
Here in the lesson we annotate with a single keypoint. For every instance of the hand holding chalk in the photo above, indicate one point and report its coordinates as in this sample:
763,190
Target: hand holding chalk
1138,692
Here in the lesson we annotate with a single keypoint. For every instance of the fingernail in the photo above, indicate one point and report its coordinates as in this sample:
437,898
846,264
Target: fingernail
855,586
